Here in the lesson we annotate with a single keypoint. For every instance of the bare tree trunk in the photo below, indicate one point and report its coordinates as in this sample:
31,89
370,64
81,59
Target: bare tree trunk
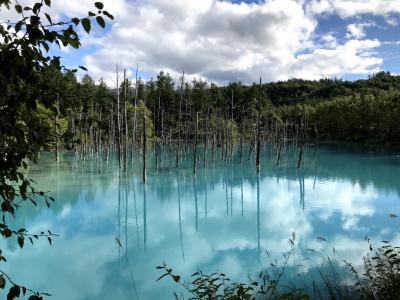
144,147
195,144
213,148
316,142
134,110
118,123
205,142
56,128
258,143
126,122
258,132
232,125
180,121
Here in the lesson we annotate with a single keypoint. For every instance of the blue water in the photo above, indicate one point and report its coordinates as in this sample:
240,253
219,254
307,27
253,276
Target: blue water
223,218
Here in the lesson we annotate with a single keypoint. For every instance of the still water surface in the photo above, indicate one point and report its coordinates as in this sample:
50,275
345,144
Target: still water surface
224,219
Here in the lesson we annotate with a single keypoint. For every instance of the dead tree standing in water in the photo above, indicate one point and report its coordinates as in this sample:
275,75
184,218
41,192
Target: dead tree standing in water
258,132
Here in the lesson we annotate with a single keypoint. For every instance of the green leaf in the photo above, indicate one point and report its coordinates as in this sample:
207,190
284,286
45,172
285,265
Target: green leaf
176,278
75,21
162,276
2,282
99,5
6,206
7,233
83,68
45,46
74,43
107,14
18,8
36,7
18,26
48,18
100,21
47,2
86,25
15,291
21,241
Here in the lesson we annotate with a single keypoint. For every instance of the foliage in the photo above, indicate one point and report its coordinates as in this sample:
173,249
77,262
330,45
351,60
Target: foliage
212,286
142,110
24,121
381,276
378,279
363,111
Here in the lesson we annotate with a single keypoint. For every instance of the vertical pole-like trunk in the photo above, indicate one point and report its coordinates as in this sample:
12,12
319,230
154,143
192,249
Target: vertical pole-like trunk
195,144
180,121
226,139
205,142
134,110
126,122
56,128
213,148
258,132
118,123
316,140
301,153
241,149
231,125
144,150
258,143
144,147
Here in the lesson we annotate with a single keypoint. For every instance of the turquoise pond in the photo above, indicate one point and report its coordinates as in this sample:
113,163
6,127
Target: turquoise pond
224,218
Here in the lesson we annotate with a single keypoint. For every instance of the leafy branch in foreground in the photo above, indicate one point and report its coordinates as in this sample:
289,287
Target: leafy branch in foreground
379,278
219,286
210,286
381,274
24,55
16,290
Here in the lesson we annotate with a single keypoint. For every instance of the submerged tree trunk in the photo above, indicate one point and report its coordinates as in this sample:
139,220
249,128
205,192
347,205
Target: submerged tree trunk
144,147
118,123
258,144
126,123
195,144
56,125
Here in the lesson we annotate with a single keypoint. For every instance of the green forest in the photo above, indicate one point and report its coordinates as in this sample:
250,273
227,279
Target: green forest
85,113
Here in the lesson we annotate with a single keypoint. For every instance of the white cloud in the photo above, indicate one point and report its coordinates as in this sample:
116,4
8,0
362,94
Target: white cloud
350,8
392,22
224,41
221,41
352,57
355,31
391,43
329,41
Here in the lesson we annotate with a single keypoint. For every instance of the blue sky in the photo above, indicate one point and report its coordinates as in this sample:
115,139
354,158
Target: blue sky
226,41
388,34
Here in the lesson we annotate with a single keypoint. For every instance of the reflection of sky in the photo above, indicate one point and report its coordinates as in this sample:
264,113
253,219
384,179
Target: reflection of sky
222,228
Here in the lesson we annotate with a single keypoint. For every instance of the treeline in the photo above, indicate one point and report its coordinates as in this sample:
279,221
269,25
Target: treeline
89,117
